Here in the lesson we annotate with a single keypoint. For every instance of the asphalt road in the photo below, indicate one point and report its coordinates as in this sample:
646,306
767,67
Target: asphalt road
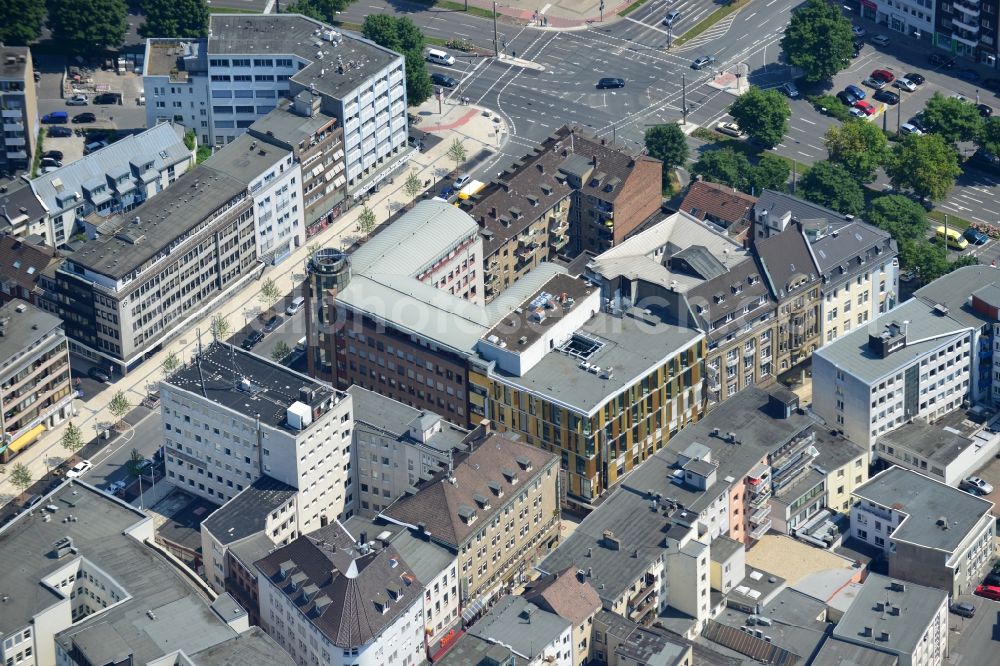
974,640
146,436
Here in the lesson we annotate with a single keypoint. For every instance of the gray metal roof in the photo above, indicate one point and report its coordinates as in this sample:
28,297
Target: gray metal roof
839,653
925,502
181,618
937,444
723,548
246,514
788,262
163,145
917,607
283,35
843,246
779,203
508,623
471,650
22,330
633,345
283,124
795,624
426,557
251,648
953,291
383,415
927,330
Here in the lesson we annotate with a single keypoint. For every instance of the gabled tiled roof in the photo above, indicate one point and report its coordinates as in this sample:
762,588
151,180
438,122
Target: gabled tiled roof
566,595
788,262
21,262
717,202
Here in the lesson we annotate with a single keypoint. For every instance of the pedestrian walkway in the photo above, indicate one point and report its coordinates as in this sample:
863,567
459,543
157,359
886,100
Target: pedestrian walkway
556,14
476,131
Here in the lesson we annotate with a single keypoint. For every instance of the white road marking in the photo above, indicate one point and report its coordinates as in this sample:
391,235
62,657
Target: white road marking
545,8
806,120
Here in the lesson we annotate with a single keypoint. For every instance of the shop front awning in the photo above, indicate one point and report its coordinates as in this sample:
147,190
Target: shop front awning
24,440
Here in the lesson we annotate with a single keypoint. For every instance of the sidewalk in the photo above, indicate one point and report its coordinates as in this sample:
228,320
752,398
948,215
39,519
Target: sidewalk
466,123
557,14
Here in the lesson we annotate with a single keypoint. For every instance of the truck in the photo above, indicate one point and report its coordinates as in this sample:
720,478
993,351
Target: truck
472,188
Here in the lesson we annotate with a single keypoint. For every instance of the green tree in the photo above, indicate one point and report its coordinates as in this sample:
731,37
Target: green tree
403,35
88,26
220,327
762,114
668,144
724,166
831,185
952,119
174,18
20,476
818,40
413,186
134,468
903,218
170,363
269,293
989,136
280,351
770,173
321,10
858,146
22,21
119,406
926,165
456,152
72,438
366,221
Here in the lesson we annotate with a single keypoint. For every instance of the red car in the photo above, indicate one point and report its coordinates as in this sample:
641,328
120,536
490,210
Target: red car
865,107
883,75
989,591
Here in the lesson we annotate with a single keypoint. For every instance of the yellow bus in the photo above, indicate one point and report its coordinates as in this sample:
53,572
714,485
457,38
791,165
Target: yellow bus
951,236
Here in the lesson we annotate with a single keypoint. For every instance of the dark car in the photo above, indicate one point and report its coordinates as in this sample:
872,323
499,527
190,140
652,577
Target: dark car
439,79
50,162
856,91
107,98
272,323
85,118
52,154
611,82
992,579
985,110
446,193
886,96
918,122
59,130
98,375
916,78
847,98
703,61
55,117
964,608
968,75
672,17
253,337
975,237
941,60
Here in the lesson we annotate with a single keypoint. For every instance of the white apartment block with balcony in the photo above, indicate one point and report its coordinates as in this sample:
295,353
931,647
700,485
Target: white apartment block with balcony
230,417
224,83
277,197
18,108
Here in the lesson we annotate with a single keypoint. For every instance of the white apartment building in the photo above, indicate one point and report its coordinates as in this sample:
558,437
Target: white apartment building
222,84
332,601
931,533
914,361
277,197
230,417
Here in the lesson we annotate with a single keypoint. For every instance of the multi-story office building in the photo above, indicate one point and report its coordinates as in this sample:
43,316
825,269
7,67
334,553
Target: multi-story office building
963,27
396,448
497,509
231,417
18,107
22,262
905,620
277,201
328,599
146,274
111,181
316,140
930,533
22,215
35,391
223,84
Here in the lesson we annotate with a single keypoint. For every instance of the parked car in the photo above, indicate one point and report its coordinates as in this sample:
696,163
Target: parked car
789,89
55,117
856,91
253,337
847,98
461,181
116,487
54,154
976,485
98,375
51,162
941,60
970,75
907,128
672,17
273,322
79,468
94,145
992,578
439,79
84,118
59,131
611,82
987,591
702,61
904,84
858,31
872,82
918,122
864,108
77,100
886,96
297,304
108,98
975,236
884,75
915,78
985,110
732,129
880,40
963,608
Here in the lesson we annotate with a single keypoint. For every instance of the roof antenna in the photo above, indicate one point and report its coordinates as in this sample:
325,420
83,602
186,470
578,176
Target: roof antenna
201,377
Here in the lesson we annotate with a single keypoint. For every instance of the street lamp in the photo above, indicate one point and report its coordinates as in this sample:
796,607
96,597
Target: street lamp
602,11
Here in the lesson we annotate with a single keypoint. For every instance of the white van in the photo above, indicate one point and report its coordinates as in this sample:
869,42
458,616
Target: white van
440,57
295,305
301,344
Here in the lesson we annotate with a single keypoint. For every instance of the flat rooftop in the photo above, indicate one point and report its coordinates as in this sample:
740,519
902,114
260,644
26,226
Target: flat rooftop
251,648
518,623
347,60
540,312
623,349
381,415
183,526
246,514
935,443
22,326
16,69
798,625
925,501
250,385
954,291
285,125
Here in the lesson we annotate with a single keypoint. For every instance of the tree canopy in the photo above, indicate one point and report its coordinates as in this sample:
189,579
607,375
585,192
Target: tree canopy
725,166
22,21
926,165
989,136
858,146
762,114
831,185
403,36
174,18
901,216
818,40
770,173
951,118
88,26
668,144
322,10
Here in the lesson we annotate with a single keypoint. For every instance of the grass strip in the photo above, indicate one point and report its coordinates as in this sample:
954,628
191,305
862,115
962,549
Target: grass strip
711,20
954,222
631,8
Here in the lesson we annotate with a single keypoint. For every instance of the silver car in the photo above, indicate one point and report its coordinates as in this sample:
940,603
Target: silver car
976,485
